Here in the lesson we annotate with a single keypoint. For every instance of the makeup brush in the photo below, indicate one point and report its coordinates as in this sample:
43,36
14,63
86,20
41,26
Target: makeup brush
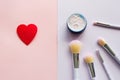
105,46
75,47
106,25
90,62
103,64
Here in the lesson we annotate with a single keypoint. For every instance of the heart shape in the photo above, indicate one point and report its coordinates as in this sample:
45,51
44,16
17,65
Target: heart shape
26,33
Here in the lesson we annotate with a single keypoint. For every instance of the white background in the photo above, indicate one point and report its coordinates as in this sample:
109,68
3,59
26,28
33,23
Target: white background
94,10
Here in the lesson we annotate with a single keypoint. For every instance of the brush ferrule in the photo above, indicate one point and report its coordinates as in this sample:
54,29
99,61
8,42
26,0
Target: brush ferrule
113,55
76,60
101,24
99,56
92,70
109,50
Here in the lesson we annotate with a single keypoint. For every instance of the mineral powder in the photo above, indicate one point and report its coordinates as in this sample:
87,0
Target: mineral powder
76,23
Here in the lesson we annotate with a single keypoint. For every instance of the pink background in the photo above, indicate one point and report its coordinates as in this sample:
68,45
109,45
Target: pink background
38,61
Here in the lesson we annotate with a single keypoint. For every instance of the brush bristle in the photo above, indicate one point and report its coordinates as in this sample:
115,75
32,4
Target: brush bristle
89,59
75,46
101,42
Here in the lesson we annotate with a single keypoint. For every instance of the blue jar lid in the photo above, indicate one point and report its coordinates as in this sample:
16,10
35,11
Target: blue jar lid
76,23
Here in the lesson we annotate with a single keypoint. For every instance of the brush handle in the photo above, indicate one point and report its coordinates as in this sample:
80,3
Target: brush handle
106,71
76,74
117,58
92,78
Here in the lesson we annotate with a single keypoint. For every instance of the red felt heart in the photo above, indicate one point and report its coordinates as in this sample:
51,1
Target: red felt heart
27,33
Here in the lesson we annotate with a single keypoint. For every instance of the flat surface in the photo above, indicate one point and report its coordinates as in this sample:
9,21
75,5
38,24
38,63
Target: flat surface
94,10
38,60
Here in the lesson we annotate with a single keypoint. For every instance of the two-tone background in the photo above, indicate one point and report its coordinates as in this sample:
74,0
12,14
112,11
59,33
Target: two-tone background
48,57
